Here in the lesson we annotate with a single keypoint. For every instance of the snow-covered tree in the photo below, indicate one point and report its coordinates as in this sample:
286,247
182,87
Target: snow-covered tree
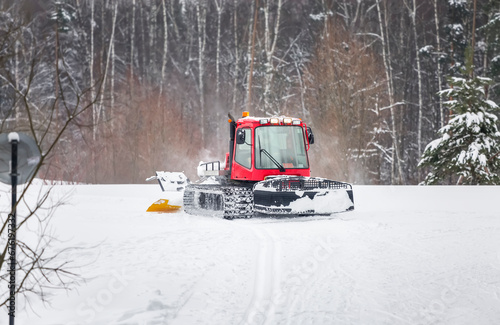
491,47
468,149
457,29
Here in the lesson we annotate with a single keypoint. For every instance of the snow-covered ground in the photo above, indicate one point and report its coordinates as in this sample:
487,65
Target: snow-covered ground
406,255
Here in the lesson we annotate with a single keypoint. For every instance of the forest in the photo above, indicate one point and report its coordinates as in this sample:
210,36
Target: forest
148,84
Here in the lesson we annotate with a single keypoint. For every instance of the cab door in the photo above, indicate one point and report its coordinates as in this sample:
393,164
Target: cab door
243,155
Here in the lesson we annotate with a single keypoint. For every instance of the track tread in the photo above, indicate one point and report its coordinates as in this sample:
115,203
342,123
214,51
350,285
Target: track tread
238,200
219,200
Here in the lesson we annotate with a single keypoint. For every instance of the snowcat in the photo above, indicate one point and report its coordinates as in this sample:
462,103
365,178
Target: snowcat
266,172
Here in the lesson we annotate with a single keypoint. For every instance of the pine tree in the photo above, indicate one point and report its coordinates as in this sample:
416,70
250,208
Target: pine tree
62,15
469,147
491,55
456,30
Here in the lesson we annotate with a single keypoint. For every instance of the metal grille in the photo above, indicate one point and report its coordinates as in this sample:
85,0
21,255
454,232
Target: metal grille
304,184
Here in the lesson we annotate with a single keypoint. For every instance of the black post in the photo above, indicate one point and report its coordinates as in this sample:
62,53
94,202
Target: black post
232,131
12,229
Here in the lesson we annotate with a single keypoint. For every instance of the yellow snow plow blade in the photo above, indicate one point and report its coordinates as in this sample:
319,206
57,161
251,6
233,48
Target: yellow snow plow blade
162,206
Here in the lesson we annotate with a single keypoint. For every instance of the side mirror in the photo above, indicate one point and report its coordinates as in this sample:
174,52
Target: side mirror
310,135
240,137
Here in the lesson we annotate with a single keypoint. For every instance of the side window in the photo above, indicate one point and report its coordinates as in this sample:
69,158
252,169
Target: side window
243,152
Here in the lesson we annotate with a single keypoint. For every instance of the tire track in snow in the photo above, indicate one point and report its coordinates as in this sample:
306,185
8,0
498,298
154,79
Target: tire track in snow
323,277
302,304
341,282
261,309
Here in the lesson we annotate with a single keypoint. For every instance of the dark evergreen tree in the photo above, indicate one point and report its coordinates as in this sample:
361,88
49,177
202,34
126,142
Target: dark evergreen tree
468,150
457,34
492,46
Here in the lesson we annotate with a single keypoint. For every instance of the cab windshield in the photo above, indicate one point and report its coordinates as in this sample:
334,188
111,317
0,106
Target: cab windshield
283,143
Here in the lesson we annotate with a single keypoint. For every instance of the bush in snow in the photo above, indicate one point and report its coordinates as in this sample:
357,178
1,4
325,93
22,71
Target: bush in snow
468,150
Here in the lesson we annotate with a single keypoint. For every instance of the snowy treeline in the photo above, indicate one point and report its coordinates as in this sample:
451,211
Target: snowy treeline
468,148
160,76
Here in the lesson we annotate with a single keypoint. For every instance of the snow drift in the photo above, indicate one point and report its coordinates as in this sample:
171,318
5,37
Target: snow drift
406,255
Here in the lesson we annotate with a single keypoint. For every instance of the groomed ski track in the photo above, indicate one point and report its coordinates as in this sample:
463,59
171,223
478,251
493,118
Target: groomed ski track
406,255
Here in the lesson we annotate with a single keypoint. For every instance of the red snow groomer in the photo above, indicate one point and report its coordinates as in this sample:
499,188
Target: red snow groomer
266,172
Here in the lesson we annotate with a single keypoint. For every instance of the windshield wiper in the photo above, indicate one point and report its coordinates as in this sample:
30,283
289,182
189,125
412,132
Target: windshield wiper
280,167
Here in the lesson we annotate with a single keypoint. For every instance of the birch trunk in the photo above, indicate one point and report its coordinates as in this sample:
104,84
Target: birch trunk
103,33
396,142
142,56
217,59
201,19
152,37
252,30
57,86
438,74
16,77
388,72
111,40
112,89
165,49
163,67
325,18
91,68
112,149
132,35
217,62
485,59
305,112
236,54
171,13
270,48
413,14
